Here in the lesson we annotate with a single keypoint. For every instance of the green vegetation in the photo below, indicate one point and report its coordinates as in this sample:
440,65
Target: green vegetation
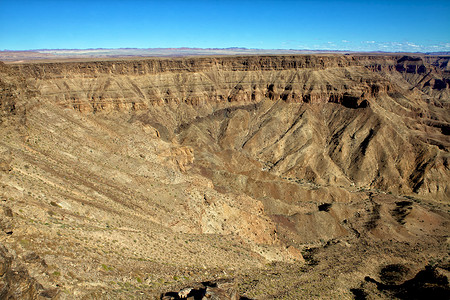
56,273
106,267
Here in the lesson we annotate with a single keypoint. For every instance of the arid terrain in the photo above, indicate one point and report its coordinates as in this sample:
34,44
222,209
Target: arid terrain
44,55
319,176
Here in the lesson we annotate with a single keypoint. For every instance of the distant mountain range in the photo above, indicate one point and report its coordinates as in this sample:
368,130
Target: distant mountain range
45,54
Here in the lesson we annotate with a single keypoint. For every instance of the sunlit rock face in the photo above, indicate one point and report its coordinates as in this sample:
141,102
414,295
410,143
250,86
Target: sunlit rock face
157,174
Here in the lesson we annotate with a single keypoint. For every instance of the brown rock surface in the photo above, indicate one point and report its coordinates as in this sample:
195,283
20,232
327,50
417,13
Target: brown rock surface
16,283
295,176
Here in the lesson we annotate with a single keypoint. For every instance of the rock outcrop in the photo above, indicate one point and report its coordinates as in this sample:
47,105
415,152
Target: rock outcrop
137,85
222,289
16,283
392,95
291,174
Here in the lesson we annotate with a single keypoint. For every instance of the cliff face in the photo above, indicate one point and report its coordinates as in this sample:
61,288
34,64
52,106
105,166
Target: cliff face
430,75
249,159
126,85
13,88
392,94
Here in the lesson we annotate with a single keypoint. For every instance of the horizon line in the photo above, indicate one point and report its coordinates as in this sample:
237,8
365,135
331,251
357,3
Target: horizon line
216,48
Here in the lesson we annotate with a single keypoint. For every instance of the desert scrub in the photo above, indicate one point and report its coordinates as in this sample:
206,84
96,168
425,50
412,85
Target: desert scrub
56,273
25,243
106,267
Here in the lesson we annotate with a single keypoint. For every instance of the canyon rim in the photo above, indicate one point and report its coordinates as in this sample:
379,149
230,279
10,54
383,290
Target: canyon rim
236,177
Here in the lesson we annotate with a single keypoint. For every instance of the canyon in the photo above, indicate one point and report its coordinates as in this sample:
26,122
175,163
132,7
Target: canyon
291,176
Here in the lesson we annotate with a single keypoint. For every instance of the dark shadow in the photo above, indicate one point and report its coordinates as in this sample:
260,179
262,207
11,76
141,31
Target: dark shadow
359,294
198,294
366,141
364,104
408,58
174,295
350,101
392,274
427,284
439,85
401,210
325,207
374,216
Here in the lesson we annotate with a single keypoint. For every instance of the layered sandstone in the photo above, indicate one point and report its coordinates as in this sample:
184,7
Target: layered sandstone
393,95
136,85
147,175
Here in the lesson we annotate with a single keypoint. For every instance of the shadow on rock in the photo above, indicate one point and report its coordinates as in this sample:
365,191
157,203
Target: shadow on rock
430,283
224,289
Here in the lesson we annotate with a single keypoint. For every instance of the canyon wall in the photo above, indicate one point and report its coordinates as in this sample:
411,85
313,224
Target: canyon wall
138,84
389,130
133,177
129,85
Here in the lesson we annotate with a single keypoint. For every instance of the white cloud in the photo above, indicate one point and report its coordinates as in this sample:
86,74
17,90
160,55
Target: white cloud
386,46
412,45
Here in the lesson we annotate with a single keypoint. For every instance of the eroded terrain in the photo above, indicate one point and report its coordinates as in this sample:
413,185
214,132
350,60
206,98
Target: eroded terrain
293,177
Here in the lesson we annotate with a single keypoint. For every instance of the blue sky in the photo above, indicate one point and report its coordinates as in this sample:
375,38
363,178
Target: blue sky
341,25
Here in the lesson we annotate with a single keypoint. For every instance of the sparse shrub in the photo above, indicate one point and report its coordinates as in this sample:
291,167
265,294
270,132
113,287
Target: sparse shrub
56,274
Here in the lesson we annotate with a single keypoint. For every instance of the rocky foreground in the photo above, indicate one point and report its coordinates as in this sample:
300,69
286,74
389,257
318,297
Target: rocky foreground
261,177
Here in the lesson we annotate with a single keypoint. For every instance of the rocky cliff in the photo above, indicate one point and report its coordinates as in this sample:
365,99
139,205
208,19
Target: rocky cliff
200,80
401,117
127,85
167,172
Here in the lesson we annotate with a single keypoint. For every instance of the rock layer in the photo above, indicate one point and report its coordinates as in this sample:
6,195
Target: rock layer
134,178
384,144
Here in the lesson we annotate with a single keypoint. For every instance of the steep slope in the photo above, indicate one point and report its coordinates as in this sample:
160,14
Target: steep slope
185,89
135,178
